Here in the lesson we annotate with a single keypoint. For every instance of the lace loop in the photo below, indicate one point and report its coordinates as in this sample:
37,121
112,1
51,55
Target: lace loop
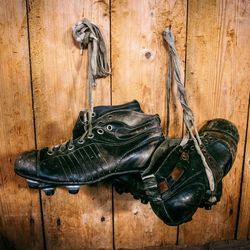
89,36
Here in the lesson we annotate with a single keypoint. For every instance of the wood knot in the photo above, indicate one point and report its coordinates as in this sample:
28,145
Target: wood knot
148,55
58,222
32,221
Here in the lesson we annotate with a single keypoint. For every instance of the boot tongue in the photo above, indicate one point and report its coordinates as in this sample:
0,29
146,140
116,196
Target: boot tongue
78,129
82,117
130,118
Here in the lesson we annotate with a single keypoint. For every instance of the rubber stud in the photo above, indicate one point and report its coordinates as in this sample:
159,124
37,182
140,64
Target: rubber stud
144,201
74,189
49,191
136,197
119,190
208,207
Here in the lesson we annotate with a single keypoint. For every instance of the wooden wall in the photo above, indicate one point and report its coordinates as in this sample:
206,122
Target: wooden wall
43,87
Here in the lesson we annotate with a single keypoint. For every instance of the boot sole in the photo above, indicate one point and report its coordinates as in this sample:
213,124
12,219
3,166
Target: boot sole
49,188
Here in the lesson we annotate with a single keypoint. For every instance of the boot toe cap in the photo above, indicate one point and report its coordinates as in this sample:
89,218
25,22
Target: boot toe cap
26,164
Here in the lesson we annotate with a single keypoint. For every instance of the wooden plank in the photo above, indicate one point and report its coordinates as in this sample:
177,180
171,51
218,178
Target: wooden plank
243,231
20,217
139,72
244,216
218,86
59,72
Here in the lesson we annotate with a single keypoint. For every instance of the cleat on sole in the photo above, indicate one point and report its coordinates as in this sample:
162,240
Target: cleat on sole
49,191
74,189
144,201
119,190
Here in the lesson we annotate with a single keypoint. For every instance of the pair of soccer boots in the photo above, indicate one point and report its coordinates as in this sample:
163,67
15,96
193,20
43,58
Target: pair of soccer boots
127,148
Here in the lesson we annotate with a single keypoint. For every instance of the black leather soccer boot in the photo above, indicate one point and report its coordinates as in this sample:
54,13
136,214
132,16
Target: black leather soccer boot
121,142
131,183
176,182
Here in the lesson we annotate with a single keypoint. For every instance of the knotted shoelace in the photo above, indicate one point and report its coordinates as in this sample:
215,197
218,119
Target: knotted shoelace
89,36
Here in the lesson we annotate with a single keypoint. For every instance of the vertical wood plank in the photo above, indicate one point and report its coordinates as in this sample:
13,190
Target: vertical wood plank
139,72
243,231
20,217
218,86
244,216
83,221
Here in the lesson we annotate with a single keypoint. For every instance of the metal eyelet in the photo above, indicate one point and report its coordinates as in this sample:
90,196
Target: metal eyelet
71,147
205,141
192,147
210,138
210,158
204,151
80,141
91,136
185,156
50,153
99,123
100,131
109,127
93,114
109,116
86,123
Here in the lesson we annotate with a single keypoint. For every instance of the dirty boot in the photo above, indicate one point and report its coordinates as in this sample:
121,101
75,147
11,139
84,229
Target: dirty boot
119,142
176,182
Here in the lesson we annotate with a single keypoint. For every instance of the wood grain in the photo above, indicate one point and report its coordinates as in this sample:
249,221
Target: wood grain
218,86
244,71
243,231
20,216
139,72
59,76
217,81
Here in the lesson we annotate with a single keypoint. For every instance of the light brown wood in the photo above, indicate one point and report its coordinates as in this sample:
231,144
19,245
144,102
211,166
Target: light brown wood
20,217
218,86
83,221
243,231
217,81
244,69
139,72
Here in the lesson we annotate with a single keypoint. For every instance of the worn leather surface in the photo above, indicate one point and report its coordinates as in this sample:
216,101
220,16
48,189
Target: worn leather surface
176,182
123,143
128,182
81,122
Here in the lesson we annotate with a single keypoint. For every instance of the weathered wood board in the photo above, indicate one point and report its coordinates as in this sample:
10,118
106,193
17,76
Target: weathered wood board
83,221
20,216
211,35
218,86
243,231
139,72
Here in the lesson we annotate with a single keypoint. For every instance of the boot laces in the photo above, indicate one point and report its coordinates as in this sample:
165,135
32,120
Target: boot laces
69,144
89,36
